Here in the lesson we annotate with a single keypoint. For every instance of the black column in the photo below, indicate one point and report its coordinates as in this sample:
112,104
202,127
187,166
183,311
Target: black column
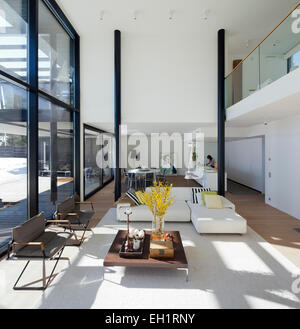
117,112
32,130
221,112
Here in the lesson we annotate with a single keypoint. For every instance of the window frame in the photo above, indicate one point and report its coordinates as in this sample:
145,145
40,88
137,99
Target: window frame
31,85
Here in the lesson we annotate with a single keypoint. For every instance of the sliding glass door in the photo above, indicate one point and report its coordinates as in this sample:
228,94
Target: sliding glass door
97,159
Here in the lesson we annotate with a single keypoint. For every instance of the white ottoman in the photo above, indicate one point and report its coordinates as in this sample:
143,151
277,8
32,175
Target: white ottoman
217,221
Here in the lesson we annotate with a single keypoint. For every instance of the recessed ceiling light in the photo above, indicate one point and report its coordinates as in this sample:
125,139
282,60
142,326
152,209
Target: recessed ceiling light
205,14
171,14
101,15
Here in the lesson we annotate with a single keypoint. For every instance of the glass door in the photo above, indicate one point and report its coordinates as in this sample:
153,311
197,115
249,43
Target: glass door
97,159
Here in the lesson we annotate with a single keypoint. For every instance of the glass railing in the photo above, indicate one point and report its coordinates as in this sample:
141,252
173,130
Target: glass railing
277,55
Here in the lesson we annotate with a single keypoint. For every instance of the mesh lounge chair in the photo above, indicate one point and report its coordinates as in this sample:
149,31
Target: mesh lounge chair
69,217
32,242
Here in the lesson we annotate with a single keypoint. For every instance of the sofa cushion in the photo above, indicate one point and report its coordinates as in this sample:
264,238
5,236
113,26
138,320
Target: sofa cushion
217,221
204,193
133,197
177,212
140,196
225,203
213,202
197,194
179,193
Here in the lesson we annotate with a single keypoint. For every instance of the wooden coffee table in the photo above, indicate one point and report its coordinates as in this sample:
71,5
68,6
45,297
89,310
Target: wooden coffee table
179,261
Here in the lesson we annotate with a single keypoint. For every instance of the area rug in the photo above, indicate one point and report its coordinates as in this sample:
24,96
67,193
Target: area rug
226,271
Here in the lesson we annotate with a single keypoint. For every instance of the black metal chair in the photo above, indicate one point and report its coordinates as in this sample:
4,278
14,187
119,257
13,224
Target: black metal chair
132,181
31,242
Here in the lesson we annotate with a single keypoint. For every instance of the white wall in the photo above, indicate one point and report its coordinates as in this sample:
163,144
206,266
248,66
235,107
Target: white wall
282,145
169,67
244,162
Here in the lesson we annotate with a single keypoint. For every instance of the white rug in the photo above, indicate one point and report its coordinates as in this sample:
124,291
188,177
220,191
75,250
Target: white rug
225,272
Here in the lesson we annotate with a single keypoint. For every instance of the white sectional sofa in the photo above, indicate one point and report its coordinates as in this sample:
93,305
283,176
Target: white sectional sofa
205,221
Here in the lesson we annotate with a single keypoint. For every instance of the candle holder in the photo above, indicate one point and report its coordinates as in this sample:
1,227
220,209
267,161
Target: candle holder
129,245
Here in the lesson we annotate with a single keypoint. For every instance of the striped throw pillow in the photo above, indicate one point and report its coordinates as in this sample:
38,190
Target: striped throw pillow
197,194
133,197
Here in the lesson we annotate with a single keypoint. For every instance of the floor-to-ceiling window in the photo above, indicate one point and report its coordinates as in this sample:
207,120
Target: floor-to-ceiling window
98,159
56,174
39,111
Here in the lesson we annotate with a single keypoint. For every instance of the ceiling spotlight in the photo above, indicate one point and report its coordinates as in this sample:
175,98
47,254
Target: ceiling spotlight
101,15
134,15
205,14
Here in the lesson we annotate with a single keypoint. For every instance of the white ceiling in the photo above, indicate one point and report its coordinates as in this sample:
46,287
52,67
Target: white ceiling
244,20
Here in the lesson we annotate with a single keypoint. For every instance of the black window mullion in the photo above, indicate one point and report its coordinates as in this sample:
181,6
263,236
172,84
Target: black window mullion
32,130
76,103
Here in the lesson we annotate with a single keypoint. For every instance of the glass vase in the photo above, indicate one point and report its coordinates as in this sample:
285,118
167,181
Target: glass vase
158,228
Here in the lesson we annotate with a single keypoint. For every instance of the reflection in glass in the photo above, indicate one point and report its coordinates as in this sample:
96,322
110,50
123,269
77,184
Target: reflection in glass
92,173
98,159
55,71
56,182
13,37
294,61
107,157
13,158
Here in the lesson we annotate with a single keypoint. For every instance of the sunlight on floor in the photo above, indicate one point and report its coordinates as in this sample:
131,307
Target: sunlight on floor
261,303
233,256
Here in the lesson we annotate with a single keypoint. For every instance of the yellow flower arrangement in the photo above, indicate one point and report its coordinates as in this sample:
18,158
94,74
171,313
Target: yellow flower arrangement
158,200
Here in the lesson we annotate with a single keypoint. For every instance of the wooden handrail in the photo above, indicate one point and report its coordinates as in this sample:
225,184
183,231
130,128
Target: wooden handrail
285,17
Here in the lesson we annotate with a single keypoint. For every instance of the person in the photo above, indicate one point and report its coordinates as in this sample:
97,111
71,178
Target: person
211,162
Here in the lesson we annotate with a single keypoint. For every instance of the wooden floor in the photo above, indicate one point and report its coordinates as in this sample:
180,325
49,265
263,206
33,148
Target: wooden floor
273,225
102,202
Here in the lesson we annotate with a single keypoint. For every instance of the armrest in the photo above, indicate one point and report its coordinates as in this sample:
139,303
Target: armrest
86,202
68,214
227,204
121,206
41,244
62,221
